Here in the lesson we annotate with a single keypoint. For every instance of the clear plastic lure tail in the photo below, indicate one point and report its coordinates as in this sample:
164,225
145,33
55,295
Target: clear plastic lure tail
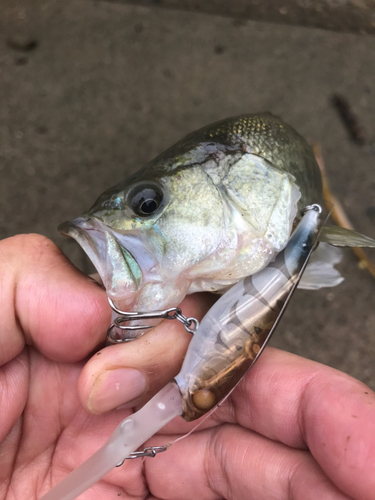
226,344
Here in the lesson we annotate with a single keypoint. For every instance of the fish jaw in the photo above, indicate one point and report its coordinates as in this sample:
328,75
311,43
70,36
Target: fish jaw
129,268
112,256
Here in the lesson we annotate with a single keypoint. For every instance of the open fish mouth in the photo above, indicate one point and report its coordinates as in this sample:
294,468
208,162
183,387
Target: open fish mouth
116,265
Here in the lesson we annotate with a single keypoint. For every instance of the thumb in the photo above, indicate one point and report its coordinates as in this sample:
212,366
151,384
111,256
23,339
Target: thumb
47,302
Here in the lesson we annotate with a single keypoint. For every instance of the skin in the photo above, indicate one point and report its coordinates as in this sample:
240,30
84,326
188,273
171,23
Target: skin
292,429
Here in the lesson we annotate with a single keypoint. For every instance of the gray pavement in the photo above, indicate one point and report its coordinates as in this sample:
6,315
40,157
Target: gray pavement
90,91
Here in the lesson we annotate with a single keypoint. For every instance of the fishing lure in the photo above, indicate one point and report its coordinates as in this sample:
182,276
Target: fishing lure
229,340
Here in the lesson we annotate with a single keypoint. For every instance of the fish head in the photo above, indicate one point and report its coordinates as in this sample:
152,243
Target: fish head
119,235
146,233
213,208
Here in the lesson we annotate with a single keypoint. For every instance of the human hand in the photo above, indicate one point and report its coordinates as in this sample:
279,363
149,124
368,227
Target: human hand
291,429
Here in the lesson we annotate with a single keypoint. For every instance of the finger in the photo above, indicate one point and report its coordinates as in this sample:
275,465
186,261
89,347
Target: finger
13,394
129,374
305,404
47,302
231,462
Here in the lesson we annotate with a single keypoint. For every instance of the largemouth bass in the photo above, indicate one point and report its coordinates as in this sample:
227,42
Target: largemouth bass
217,206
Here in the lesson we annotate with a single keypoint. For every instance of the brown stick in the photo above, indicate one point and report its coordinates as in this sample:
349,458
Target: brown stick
338,213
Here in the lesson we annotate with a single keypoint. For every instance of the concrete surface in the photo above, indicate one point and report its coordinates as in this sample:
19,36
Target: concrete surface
348,16
90,91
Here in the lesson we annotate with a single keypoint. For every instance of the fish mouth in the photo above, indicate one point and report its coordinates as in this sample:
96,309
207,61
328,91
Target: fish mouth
119,270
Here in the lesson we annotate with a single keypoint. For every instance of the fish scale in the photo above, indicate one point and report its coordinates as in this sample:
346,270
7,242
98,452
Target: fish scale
264,135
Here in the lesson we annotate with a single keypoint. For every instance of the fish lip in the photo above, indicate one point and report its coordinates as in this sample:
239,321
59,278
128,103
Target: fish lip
103,247
75,229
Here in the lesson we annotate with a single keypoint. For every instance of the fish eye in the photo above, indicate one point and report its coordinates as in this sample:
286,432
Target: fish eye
145,199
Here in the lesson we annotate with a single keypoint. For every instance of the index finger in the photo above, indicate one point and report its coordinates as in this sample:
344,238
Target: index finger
47,302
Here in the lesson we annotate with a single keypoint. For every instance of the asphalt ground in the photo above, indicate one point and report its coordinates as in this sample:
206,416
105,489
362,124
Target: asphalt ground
90,91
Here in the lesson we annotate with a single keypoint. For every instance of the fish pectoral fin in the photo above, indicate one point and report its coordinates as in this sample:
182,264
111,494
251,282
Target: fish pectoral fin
342,237
320,271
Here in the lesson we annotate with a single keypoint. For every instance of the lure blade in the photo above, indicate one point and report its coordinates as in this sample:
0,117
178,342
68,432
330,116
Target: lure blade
235,331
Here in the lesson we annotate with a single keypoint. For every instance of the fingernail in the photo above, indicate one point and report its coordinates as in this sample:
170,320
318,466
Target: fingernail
115,388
